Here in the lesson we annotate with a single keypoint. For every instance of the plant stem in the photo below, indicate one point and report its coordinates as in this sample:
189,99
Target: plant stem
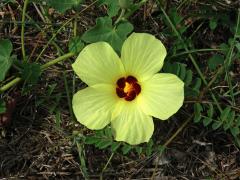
104,168
120,16
81,154
190,56
57,60
61,27
43,67
195,51
22,30
178,131
10,84
68,96
228,60
185,123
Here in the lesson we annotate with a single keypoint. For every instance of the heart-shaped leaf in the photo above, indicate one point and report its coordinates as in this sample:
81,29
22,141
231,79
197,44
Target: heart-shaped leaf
105,31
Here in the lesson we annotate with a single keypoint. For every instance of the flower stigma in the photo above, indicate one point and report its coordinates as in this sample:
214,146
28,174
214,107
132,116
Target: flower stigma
128,88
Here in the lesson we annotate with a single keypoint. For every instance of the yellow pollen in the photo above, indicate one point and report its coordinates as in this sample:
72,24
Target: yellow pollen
128,87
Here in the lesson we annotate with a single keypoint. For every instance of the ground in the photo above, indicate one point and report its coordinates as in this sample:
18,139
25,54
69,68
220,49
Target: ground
42,139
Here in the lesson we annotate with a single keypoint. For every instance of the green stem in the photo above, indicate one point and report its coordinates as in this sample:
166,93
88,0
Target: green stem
75,27
57,60
228,60
59,30
52,38
106,165
195,51
185,123
120,16
68,96
185,47
229,56
43,67
190,56
10,84
22,30
81,154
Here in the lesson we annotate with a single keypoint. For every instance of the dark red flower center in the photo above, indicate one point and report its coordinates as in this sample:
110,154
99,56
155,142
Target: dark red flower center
128,88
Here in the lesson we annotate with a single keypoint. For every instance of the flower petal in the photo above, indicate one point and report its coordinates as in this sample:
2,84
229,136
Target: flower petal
132,125
162,95
98,63
93,105
142,55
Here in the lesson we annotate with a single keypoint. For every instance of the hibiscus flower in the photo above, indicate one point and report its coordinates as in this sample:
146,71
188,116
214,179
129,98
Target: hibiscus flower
126,92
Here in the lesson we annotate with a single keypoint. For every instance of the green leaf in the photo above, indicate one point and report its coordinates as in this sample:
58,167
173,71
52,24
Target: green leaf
104,31
63,5
58,118
108,132
207,121
210,111
113,6
167,67
149,150
139,150
2,106
189,92
216,125
235,131
175,16
197,110
104,144
238,46
237,141
177,20
5,59
229,123
31,72
126,148
91,140
176,68
197,85
161,149
115,146
75,44
182,73
225,47
238,121
231,117
188,78
213,23
215,61
225,113
226,126
51,88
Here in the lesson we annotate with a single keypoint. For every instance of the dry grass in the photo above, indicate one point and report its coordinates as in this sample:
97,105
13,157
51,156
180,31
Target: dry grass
33,147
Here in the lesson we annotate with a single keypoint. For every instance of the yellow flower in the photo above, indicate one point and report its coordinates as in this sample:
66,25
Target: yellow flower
126,92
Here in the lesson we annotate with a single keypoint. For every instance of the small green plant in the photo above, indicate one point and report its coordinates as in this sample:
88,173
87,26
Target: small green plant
103,139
